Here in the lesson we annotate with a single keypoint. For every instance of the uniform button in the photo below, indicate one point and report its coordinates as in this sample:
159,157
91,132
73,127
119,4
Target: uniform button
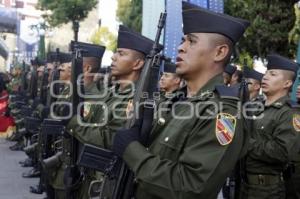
103,107
161,121
71,130
166,139
254,117
262,127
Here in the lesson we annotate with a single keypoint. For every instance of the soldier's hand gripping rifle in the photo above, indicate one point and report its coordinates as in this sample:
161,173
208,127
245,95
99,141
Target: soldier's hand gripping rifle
103,160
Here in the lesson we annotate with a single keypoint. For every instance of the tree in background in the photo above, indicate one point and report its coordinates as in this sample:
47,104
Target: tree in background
129,12
271,22
104,37
294,36
64,11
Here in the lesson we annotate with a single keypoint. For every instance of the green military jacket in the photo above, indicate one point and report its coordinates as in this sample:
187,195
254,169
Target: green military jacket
104,118
190,155
272,139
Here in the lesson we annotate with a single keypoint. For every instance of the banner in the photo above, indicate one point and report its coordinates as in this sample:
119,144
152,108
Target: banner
173,32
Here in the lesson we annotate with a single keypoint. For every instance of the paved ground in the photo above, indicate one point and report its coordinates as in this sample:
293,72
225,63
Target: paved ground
12,185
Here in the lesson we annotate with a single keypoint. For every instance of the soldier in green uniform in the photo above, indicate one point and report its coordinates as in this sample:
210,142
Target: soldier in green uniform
293,171
15,83
228,72
110,115
236,78
58,111
253,79
273,134
169,81
191,157
91,63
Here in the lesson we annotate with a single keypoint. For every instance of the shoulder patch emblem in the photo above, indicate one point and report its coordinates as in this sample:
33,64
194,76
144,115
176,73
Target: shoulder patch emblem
225,128
296,122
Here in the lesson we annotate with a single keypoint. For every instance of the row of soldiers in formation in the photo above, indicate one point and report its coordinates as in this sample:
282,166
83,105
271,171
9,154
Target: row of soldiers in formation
192,152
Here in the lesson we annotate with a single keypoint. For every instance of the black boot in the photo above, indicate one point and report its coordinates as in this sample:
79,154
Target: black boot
17,147
33,173
36,189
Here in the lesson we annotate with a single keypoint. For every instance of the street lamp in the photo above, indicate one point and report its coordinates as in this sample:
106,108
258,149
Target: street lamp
41,27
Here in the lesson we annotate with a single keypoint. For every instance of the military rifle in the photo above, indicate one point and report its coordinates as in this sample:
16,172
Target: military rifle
114,168
72,174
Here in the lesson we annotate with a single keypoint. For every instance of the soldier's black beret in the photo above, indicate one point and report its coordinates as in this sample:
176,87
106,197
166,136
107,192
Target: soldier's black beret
41,62
230,69
88,50
34,62
169,67
37,62
276,61
65,57
130,39
51,57
200,20
251,73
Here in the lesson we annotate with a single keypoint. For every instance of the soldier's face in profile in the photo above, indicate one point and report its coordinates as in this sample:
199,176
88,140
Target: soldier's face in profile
226,78
275,81
65,71
50,68
253,85
123,62
40,71
168,81
195,53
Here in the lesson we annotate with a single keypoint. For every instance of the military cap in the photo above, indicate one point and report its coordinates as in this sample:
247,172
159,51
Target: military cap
88,50
169,67
230,69
65,57
276,61
34,62
251,73
129,39
51,57
197,19
41,62
37,62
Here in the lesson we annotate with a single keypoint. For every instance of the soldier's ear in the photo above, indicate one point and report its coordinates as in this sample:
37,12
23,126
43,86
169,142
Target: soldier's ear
288,84
139,63
221,52
89,68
